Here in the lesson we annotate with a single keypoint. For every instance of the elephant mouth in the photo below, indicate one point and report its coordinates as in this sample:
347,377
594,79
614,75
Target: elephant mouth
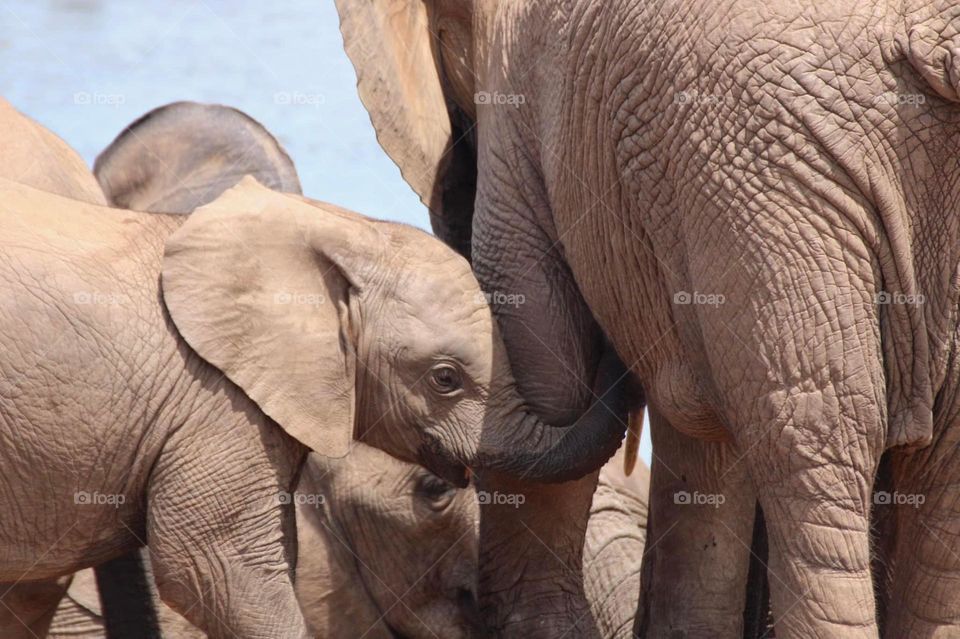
435,459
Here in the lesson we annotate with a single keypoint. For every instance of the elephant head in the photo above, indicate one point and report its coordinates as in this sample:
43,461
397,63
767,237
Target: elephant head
183,155
402,538
342,327
430,57
34,156
385,549
430,73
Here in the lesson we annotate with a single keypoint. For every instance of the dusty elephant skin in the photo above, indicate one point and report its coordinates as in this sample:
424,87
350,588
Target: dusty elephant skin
33,155
184,154
755,202
89,352
385,548
613,548
391,551
160,381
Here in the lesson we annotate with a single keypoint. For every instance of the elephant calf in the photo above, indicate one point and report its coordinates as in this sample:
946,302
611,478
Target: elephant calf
384,548
178,409
388,547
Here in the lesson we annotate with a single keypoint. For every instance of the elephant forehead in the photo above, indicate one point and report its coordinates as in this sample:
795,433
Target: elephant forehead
444,327
440,283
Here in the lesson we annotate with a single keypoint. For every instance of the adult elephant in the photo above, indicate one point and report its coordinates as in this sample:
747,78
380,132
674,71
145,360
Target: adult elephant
754,217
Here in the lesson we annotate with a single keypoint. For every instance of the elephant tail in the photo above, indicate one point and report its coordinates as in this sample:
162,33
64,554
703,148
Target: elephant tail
637,404
127,598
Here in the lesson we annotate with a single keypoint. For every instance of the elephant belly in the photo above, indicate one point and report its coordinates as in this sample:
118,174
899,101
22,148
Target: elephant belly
78,437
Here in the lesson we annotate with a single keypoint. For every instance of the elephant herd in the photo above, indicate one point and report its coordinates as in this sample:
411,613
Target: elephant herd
288,418
179,460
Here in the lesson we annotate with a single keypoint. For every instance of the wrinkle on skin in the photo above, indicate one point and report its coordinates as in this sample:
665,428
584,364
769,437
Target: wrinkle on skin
806,174
378,523
614,547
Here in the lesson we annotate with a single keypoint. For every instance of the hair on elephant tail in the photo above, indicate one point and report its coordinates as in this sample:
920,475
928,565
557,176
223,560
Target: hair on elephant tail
126,598
637,404
757,623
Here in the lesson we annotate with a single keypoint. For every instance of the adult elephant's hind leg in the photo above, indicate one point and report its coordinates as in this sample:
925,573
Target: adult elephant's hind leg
28,607
698,538
218,532
794,350
923,599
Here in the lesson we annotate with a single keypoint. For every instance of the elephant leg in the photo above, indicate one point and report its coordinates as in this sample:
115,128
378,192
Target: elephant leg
813,449
531,550
814,485
28,607
924,563
218,532
795,356
698,540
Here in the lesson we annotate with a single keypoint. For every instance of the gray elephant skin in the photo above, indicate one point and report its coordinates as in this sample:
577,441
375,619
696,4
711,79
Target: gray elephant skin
197,359
755,203
383,548
381,524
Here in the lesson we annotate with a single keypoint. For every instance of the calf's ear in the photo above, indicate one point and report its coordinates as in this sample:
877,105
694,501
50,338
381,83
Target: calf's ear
265,287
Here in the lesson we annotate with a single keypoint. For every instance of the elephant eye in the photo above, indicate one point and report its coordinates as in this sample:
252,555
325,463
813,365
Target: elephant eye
445,379
436,492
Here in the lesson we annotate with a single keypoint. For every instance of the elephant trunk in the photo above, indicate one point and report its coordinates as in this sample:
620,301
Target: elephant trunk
538,452
531,557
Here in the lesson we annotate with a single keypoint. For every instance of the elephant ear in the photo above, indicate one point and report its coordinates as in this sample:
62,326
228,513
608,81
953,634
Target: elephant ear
397,57
183,155
265,287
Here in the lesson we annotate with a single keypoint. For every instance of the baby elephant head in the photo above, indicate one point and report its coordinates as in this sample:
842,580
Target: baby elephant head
340,328
388,542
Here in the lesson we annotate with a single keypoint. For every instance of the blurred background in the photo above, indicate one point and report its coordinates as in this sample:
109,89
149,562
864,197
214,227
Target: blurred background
87,68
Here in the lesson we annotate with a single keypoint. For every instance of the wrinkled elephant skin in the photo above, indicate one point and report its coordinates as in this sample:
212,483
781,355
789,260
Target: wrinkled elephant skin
753,203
